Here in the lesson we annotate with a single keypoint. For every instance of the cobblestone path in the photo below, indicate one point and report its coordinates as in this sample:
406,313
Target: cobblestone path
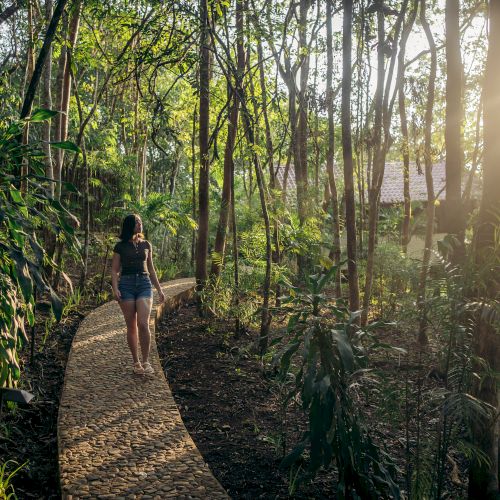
120,435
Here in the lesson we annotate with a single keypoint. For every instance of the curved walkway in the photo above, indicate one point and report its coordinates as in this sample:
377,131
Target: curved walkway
121,435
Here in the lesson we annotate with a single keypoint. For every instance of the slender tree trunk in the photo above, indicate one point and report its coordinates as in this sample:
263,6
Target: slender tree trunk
383,114
193,183
270,159
65,92
237,325
59,89
265,315
302,127
86,217
331,147
173,175
30,67
352,264
422,334
405,239
220,238
47,104
203,186
454,214
373,195
483,478
466,198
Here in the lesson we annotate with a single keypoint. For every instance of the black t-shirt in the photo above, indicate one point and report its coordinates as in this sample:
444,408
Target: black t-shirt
133,256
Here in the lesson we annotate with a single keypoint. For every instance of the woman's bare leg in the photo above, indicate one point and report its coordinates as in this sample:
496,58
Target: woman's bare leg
143,307
130,313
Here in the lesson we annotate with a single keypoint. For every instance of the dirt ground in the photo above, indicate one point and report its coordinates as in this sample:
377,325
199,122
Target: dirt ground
232,409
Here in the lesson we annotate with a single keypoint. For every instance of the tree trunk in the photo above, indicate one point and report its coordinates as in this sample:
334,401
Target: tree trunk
302,127
373,195
270,160
422,334
203,186
30,67
352,265
383,113
47,104
454,214
86,217
65,92
237,325
59,89
331,147
483,478
220,238
405,237
193,183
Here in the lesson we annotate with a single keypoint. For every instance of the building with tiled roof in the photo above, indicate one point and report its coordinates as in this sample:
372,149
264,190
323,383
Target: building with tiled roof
392,191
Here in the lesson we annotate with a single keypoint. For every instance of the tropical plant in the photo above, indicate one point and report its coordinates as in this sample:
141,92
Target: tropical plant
24,213
329,365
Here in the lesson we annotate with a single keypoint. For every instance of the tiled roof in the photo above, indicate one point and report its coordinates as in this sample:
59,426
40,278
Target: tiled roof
392,185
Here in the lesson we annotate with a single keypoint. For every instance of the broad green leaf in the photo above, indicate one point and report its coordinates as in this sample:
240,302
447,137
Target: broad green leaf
345,350
16,196
66,145
22,273
40,115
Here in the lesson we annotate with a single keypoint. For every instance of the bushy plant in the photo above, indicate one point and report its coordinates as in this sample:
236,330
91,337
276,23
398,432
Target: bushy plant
325,344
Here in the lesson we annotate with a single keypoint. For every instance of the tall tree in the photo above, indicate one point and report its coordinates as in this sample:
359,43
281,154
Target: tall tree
454,213
429,109
378,159
483,477
350,222
383,107
63,91
220,237
302,126
47,104
203,183
331,145
400,79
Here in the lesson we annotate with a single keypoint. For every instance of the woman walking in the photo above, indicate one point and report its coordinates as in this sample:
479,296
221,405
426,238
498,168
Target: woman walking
133,264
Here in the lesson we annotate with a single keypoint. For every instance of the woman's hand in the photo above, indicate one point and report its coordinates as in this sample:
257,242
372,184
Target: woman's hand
117,295
161,296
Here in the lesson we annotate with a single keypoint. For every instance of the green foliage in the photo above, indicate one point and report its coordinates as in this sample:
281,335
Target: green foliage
22,258
327,346
6,488
157,210
395,279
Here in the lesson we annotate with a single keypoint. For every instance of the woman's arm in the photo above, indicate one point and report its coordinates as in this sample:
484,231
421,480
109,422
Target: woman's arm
152,274
115,271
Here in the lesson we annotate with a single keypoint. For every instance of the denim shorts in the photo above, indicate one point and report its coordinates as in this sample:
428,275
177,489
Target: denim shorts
135,287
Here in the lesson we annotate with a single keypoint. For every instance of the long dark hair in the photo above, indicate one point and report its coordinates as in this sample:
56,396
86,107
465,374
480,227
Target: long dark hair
128,227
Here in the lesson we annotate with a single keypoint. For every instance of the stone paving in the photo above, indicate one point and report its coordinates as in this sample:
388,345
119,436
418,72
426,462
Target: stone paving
120,435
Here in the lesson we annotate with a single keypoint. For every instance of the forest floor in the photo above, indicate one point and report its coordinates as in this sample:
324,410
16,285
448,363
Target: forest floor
234,414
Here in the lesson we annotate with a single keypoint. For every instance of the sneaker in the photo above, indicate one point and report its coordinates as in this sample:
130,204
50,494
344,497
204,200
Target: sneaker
148,369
